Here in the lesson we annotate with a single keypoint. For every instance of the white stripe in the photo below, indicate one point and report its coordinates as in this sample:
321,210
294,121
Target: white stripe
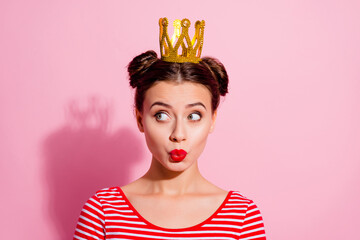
253,230
90,221
227,209
223,225
252,224
251,204
237,194
108,192
124,221
94,201
115,201
117,210
169,232
252,210
231,214
249,218
91,228
120,215
239,200
169,238
252,237
87,234
236,204
115,206
94,208
95,216
228,220
76,236
111,196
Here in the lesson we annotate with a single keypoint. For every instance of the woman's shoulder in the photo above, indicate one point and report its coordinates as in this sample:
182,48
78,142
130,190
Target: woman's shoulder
236,195
237,198
107,192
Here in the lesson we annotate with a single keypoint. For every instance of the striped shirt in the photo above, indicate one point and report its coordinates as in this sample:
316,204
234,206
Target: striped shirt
109,215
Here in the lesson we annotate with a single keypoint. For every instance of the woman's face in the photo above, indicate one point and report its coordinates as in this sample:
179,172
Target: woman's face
176,116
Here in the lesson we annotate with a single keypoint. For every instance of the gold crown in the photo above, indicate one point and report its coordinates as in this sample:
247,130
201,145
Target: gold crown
190,49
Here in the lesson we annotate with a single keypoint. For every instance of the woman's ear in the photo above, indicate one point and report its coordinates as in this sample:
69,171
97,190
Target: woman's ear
139,119
213,120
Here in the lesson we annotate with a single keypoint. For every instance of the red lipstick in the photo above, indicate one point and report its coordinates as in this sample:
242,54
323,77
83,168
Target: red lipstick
178,155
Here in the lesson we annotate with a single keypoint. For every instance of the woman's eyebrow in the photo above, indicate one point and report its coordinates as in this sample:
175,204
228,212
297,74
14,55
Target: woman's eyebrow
169,106
161,104
195,104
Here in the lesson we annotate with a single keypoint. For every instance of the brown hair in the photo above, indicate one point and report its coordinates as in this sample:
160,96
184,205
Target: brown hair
146,69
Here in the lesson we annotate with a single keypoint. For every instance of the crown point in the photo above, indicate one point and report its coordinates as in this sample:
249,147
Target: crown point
177,23
185,23
164,22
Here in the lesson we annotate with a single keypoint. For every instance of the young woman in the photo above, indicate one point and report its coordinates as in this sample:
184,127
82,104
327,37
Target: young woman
176,107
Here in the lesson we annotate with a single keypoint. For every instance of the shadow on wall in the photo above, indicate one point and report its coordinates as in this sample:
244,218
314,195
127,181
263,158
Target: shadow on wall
82,157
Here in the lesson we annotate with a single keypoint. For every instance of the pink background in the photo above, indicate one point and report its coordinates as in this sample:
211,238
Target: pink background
287,135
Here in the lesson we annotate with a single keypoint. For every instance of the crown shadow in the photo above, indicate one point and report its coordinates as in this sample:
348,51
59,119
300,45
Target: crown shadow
81,157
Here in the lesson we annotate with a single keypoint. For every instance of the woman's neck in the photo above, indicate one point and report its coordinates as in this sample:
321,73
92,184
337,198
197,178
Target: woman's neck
159,180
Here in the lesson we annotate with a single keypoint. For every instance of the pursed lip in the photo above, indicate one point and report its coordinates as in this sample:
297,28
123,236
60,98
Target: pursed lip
178,155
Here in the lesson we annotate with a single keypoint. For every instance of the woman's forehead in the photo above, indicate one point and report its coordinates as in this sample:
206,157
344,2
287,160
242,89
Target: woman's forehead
178,93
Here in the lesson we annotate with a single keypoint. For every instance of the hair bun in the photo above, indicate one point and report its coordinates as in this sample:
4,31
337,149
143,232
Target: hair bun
218,70
139,65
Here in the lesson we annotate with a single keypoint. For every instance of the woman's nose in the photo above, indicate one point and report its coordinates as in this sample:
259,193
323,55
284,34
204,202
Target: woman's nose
178,134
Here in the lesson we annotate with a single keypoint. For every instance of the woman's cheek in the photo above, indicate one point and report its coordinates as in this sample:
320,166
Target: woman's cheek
155,136
198,138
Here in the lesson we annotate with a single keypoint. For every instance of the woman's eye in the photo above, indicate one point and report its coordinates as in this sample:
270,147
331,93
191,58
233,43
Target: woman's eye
194,116
161,116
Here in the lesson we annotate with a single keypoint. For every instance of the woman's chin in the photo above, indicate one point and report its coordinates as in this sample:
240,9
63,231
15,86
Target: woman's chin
177,166
168,164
